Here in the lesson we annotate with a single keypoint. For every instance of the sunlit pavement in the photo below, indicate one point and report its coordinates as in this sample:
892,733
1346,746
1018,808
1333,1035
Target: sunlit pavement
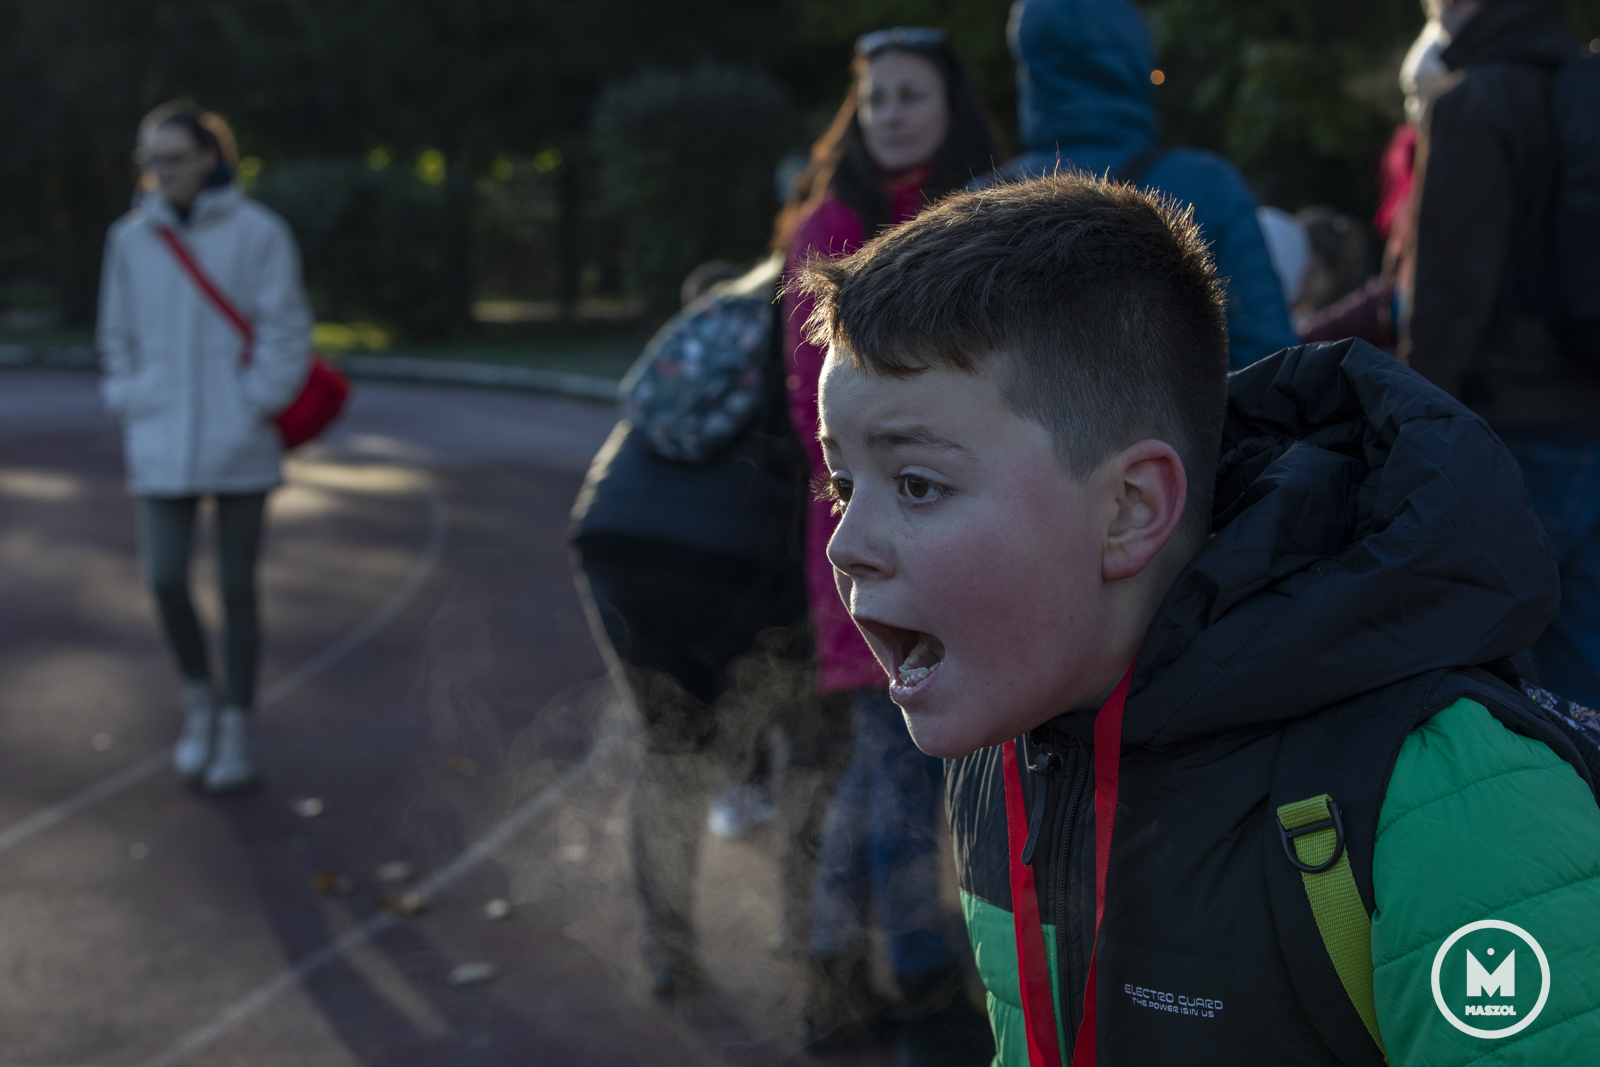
430,679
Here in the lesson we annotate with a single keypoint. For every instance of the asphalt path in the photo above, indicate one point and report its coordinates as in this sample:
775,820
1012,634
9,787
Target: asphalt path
429,681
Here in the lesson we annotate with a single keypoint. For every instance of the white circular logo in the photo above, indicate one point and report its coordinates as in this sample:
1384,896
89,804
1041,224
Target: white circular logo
1482,979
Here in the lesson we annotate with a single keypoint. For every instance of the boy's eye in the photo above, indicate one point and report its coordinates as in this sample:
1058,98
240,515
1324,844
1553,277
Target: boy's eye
920,490
835,489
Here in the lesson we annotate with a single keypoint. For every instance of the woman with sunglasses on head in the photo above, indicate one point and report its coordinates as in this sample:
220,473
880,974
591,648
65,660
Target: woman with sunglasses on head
911,129
197,403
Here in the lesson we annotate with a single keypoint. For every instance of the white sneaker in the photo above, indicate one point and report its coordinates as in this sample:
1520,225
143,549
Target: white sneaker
233,766
193,750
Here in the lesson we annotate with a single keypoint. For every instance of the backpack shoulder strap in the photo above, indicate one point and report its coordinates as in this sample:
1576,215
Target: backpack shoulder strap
1313,839
1335,762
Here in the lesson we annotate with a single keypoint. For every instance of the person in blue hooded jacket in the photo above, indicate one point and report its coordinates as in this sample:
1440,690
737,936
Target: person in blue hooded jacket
1084,102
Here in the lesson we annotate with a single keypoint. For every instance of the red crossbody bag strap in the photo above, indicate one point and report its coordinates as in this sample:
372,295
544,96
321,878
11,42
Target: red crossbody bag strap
186,260
1033,973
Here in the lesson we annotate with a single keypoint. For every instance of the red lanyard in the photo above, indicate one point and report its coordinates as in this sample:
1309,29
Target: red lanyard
1033,968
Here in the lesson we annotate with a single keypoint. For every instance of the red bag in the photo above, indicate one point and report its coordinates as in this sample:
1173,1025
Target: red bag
325,391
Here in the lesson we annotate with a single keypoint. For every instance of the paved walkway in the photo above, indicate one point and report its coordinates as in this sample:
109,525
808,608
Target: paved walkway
430,679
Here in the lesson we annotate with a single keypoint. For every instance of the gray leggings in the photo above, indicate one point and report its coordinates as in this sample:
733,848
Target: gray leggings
166,541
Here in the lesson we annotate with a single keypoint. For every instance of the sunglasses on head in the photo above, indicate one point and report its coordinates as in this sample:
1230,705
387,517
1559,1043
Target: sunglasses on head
912,38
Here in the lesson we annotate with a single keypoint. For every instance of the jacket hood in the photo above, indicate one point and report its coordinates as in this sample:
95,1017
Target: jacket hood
1535,31
1367,528
1083,73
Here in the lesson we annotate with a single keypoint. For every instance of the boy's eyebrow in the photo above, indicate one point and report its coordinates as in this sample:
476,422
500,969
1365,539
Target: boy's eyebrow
915,435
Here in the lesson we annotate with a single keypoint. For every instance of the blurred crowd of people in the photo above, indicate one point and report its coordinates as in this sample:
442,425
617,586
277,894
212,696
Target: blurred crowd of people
708,583
911,130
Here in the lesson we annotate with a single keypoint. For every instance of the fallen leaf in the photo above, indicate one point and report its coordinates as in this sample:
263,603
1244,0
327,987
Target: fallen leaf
394,871
406,903
307,807
332,884
472,973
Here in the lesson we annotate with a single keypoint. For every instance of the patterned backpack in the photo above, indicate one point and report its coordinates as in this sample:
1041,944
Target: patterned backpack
700,379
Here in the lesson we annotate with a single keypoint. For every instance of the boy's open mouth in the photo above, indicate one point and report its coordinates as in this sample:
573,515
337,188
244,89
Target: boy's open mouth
913,655
920,661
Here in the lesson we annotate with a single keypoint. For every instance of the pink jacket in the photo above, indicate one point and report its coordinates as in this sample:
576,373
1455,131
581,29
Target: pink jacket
843,659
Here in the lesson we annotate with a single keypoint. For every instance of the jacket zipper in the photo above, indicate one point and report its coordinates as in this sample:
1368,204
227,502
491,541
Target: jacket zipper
1071,996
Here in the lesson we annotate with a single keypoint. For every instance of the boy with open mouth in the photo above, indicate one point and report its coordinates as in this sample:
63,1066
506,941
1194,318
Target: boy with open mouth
1225,664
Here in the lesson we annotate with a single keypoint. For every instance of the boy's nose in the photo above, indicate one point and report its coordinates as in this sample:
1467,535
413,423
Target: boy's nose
855,551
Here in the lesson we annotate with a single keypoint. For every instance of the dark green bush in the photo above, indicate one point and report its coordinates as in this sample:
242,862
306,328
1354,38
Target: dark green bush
688,160
378,245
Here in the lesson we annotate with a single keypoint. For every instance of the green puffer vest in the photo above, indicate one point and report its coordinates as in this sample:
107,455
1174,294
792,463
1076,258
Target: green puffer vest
1254,984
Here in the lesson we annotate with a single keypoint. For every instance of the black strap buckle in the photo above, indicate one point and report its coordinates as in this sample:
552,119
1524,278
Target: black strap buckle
1289,835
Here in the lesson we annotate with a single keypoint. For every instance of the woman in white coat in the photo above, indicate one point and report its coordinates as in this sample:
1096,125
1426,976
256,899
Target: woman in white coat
197,404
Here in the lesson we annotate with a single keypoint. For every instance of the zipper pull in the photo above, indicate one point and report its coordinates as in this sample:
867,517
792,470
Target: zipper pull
1046,764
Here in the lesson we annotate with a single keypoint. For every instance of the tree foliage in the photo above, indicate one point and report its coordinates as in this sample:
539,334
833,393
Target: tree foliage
379,244
1301,95
472,79
689,161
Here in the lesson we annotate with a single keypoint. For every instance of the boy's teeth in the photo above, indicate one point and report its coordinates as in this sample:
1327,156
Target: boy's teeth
910,671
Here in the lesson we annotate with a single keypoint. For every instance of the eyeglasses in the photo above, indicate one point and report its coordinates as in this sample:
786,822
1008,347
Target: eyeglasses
911,38
151,160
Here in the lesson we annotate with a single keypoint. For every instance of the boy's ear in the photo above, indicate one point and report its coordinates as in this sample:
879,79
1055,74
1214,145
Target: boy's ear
1150,487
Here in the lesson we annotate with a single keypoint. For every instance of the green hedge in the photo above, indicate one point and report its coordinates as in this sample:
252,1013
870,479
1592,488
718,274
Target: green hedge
688,160
379,245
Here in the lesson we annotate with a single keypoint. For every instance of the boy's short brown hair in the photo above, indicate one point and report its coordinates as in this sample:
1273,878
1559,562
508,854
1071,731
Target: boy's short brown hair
1100,301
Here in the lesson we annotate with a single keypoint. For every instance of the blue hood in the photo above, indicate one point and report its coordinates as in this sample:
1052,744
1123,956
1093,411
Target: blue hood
1083,74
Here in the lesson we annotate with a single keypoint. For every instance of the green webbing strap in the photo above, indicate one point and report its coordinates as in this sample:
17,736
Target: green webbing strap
1341,917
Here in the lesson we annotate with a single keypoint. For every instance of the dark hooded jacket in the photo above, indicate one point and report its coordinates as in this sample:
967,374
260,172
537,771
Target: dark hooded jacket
1480,302
1368,530
1085,101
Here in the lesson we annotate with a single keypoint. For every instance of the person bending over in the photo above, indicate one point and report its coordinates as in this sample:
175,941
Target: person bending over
1232,784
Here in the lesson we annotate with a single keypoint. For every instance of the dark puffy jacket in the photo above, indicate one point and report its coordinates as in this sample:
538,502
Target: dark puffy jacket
1369,530
1083,81
1479,304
